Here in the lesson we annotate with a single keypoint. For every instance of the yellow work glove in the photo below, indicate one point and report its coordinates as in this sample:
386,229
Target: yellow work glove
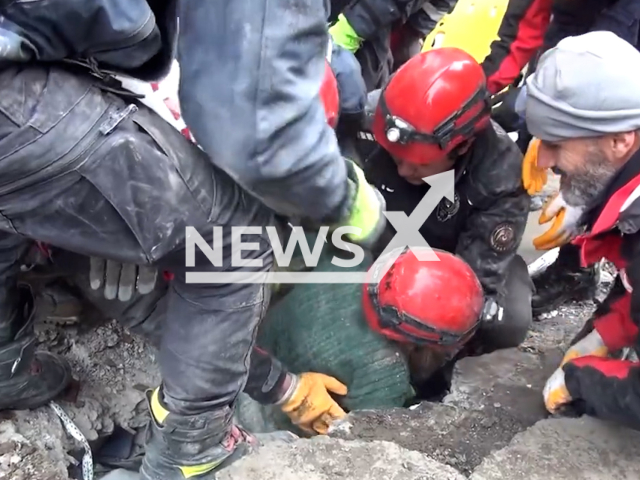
555,390
310,406
565,223
534,178
367,208
344,35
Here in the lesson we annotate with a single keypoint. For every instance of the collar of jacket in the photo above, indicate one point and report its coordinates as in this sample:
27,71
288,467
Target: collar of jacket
622,190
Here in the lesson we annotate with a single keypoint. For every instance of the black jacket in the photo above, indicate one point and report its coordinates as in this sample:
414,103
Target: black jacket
486,222
374,20
248,87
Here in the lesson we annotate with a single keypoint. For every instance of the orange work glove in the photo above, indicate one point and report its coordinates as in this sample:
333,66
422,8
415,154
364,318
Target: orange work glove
310,406
534,178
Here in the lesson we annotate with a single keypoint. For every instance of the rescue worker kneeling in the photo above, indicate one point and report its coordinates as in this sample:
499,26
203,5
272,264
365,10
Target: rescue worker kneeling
377,344
589,131
434,116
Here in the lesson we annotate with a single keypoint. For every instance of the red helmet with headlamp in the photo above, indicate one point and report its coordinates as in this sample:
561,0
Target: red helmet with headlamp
432,104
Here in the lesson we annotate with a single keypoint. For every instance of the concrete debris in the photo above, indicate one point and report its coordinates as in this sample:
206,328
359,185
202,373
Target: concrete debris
324,458
557,449
493,397
492,425
112,368
20,459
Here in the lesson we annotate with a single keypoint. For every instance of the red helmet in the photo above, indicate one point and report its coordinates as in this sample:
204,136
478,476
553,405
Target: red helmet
433,103
424,302
330,95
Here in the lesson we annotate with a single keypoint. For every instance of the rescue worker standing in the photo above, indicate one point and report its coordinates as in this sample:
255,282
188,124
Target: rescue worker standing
433,116
383,34
87,168
589,131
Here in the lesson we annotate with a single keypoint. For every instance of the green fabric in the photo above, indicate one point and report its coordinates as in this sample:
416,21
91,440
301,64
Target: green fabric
321,328
344,35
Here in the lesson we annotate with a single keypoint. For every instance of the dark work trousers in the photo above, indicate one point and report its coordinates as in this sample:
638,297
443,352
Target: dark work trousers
517,316
82,172
145,315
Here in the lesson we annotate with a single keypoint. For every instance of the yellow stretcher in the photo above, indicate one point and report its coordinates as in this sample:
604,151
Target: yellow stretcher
471,26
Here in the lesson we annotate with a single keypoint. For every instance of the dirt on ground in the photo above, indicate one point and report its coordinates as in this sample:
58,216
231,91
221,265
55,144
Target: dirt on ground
492,425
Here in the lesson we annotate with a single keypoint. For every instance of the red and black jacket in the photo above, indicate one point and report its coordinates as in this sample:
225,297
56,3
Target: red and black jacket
606,387
533,26
520,36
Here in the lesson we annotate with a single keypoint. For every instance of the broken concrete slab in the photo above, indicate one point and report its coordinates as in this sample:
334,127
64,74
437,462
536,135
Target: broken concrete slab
557,449
493,397
323,458
509,381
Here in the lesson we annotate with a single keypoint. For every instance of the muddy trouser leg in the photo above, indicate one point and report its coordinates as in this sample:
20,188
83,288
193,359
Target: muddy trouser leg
94,177
517,316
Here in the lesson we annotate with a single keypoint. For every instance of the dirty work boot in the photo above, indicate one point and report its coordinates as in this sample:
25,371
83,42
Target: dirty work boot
28,379
57,305
564,281
194,446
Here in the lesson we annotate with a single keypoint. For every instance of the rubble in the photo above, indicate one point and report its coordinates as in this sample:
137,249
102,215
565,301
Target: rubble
323,458
492,425
493,397
112,368
580,449
20,459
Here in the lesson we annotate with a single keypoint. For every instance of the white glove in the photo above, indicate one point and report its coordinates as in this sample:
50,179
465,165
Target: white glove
120,280
565,224
555,392
592,344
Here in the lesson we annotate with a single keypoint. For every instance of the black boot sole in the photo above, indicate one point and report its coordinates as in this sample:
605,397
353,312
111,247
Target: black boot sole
35,395
576,295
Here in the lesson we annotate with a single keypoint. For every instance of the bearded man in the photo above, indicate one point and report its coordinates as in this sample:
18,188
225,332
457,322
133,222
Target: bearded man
589,131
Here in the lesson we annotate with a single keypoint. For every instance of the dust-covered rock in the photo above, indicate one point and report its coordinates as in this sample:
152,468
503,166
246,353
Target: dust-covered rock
323,458
21,459
557,449
112,370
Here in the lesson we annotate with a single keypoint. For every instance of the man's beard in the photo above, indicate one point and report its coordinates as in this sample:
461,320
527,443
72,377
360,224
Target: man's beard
582,189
